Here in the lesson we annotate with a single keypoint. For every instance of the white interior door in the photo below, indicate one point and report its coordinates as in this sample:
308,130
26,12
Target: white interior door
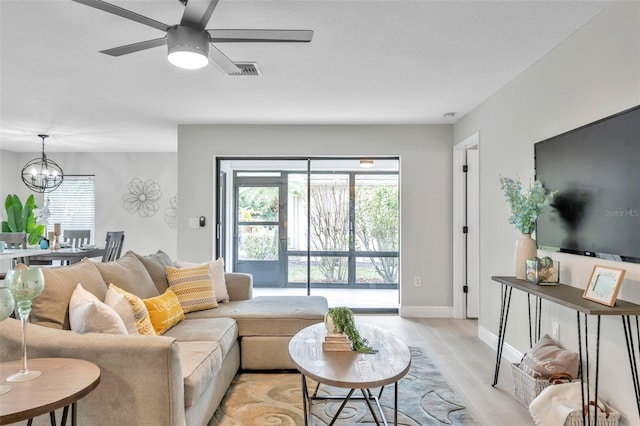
473,237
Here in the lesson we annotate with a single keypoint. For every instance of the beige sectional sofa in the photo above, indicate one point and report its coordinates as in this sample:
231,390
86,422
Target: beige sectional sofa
178,378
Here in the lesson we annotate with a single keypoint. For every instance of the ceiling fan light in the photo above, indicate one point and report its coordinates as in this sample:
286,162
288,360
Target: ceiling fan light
188,60
366,163
188,47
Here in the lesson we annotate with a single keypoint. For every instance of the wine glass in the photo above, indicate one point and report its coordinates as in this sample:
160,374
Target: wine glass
25,284
7,305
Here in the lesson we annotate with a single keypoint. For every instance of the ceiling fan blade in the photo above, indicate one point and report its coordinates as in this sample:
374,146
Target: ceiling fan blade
124,13
221,61
197,13
135,47
239,36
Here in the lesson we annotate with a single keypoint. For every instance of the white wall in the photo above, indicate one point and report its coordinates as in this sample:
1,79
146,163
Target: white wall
113,172
593,74
425,175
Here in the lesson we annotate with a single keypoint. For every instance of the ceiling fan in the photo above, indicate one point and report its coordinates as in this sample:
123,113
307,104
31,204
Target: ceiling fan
190,45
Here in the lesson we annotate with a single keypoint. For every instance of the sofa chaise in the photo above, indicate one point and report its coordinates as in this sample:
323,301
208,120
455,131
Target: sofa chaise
179,377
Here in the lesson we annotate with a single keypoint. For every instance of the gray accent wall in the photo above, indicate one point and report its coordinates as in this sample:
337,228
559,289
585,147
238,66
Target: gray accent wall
425,177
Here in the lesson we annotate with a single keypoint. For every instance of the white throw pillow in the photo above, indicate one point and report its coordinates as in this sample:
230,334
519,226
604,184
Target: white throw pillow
87,314
216,269
121,305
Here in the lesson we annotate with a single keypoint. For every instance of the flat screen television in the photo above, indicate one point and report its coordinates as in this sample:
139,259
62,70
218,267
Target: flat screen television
595,170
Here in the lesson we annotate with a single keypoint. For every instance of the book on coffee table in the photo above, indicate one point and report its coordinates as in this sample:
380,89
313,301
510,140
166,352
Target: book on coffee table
336,342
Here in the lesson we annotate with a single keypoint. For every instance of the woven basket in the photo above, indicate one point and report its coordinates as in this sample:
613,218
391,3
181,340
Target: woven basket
575,418
525,387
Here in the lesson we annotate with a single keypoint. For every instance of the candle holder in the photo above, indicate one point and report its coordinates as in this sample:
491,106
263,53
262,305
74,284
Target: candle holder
56,231
25,285
7,305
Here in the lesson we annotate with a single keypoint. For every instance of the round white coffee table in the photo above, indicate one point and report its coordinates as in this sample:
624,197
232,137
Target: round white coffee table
350,370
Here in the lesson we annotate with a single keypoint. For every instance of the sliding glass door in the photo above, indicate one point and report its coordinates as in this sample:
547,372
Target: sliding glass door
316,226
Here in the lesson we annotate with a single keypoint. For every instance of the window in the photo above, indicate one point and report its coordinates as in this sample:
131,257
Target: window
73,204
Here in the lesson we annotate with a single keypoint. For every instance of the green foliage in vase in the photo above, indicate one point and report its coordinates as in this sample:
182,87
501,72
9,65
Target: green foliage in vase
527,206
343,322
21,218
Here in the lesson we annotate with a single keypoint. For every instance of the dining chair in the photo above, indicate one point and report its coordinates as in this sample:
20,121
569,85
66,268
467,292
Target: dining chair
76,238
113,246
15,240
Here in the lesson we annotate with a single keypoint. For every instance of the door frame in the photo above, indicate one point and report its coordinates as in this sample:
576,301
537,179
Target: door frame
459,220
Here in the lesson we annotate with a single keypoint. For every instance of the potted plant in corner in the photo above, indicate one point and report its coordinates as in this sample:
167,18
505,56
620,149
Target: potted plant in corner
526,207
340,320
22,218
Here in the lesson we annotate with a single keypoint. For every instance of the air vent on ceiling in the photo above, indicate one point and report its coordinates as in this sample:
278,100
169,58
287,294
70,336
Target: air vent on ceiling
247,68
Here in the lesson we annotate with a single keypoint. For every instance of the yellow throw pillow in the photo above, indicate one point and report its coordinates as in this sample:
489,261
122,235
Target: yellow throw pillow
164,310
140,312
193,286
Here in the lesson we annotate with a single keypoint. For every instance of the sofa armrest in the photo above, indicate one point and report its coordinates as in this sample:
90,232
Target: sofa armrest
141,378
239,285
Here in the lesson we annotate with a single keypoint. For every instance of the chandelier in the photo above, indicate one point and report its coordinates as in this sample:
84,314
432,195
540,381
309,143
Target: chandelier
41,174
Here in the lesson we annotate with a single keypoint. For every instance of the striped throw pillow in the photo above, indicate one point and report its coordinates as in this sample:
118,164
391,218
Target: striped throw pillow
193,286
140,312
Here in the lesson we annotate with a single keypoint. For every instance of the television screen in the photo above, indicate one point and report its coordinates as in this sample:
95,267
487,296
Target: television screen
595,171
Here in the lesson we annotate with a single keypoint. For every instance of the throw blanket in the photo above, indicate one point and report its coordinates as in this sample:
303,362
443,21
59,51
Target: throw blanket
555,403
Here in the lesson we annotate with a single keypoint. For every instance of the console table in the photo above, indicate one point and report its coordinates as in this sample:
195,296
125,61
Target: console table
571,297
63,382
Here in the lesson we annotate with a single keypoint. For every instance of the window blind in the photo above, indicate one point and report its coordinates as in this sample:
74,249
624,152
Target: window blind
73,204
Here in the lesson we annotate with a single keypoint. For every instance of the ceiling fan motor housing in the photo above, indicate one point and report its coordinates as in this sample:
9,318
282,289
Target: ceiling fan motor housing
182,38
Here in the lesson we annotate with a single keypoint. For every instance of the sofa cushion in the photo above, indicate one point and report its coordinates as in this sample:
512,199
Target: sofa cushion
89,315
270,315
51,308
164,310
201,361
140,312
216,268
129,274
155,264
193,286
221,330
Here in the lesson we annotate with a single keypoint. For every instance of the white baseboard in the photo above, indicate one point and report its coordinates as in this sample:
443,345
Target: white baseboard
508,352
426,311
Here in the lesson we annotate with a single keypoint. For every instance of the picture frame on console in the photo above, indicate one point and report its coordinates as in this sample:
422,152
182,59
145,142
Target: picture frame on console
604,285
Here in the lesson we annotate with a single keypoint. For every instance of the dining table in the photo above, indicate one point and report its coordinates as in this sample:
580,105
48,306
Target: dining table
68,256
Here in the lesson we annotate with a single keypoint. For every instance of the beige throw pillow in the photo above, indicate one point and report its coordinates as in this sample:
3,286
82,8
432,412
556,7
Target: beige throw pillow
140,312
546,358
51,308
87,314
155,264
216,269
121,305
129,274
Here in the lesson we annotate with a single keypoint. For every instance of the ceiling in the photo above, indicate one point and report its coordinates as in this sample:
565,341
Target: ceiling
370,62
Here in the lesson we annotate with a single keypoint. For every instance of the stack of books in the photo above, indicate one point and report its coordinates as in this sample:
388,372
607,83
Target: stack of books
336,342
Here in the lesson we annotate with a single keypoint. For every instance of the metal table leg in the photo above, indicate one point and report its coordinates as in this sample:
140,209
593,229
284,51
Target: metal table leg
502,329
631,352
585,391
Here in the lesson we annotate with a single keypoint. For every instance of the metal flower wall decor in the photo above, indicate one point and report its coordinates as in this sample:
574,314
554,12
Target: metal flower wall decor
171,213
142,197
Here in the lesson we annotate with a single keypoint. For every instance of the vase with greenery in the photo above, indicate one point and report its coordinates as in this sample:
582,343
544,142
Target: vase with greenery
340,320
526,207
22,218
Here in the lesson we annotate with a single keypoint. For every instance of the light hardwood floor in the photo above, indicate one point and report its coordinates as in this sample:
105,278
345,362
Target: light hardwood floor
466,361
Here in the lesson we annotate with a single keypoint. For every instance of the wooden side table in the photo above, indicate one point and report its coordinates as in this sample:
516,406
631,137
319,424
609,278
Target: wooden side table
63,382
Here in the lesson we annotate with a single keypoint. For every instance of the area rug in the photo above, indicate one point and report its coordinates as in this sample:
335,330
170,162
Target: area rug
424,398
